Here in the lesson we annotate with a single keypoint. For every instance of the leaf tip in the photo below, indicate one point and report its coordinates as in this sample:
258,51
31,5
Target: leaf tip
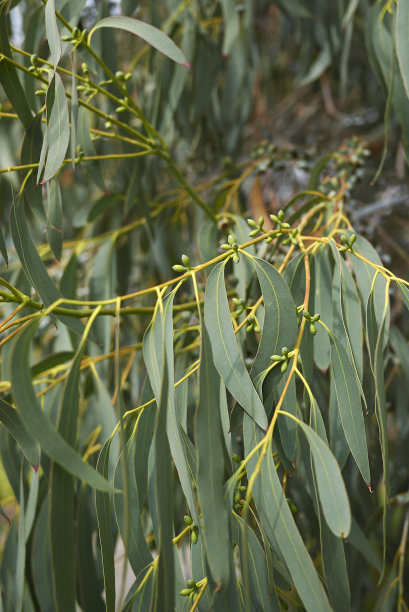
186,64
35,468
368,484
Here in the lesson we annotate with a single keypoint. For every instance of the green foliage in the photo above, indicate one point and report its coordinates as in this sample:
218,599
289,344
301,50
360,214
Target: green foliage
236,433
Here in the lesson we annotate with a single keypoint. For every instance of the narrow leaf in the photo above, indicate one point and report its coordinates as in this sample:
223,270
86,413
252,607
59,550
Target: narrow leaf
331,489
226,355
279,525
55,218
37,422
11,419
58,129
210,476
53,35
8,74
156,38
349,405
103,506
32,264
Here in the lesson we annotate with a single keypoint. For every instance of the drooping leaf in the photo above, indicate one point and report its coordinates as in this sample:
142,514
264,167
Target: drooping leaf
38,423
11,419
210,476
279,525
8,74
158,335
129,520
280,322
164,591
62,492
331,488
55,218
3,248
322,304
226,355
57,130
32,264
156,38
262,592
30,154
103,504
93,167
53,35
349,405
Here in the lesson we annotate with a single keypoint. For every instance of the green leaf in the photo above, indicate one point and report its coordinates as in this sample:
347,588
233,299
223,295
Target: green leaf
93,168
41,569
62,492
164,592
231,25
55,218
402,41
53,35
38,423
226,355
74,113
90,583
331,488
322,304
129,519
11,419
8,74
262,592
278,522
210,475
21,549
156,38
30,154
32,264
280,322
3,248
103,506
349,405
158,335
335,569
57,135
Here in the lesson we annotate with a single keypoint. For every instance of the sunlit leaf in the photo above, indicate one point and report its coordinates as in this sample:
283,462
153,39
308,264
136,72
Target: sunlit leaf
156,38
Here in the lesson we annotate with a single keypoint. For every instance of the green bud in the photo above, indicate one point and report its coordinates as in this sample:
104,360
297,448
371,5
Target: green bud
120,75
284,350
315,318
226,247
236,458
242,488
253,233
84,68
252,223
269,239
344,239
280,215
274,218
76,32
178,268
250,327
343,249
186,261
193,536
188,520
352,239
307,315
313,329
236,257
276,357
185,592
191,583
284,366
260,221
237,496
231,239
